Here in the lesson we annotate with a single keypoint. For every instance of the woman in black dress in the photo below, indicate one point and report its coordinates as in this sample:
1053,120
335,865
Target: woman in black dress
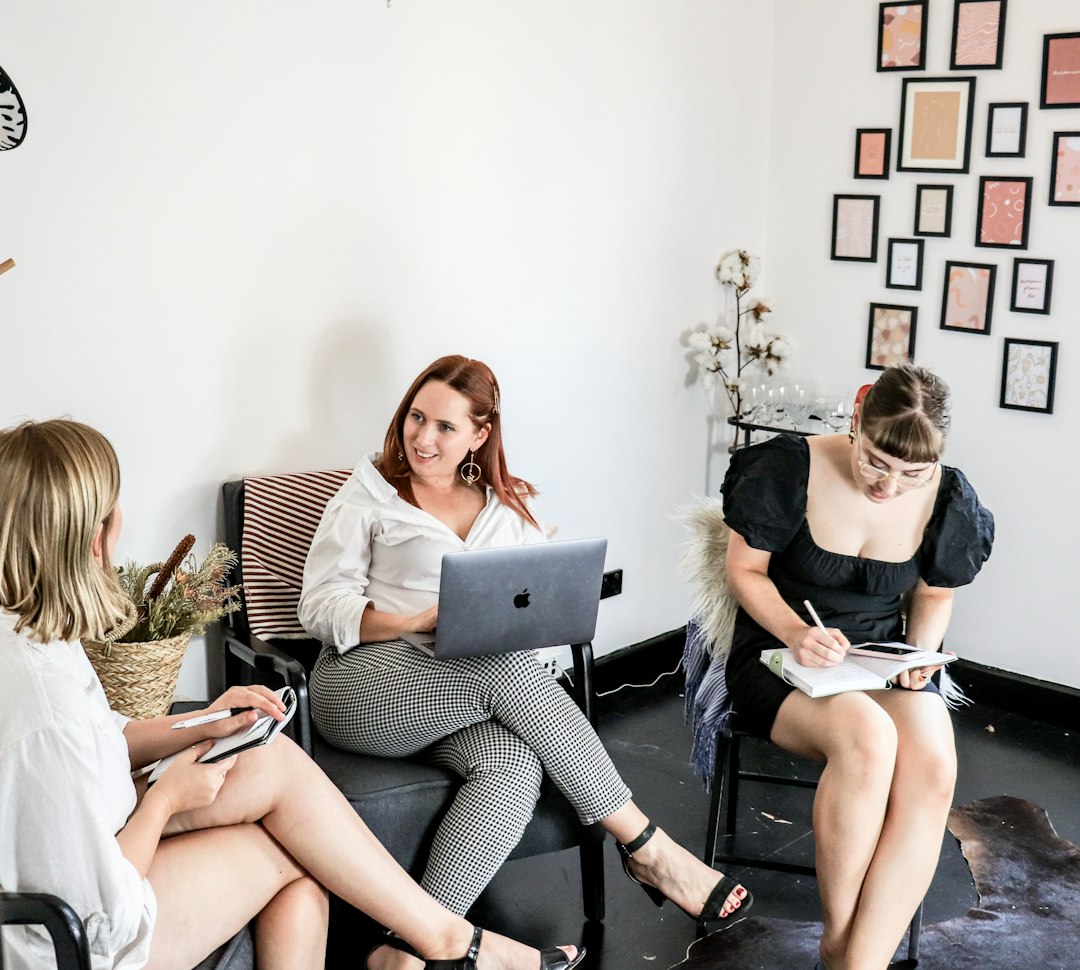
852,524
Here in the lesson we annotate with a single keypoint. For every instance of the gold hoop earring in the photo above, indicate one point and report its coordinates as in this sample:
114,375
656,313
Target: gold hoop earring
851,435
470,471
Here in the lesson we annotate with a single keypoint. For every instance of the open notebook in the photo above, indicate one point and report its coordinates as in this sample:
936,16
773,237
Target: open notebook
263,731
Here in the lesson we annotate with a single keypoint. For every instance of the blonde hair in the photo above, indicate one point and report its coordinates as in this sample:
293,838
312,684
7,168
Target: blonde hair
906,413
61,481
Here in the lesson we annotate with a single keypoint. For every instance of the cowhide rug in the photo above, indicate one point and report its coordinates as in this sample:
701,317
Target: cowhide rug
1028,915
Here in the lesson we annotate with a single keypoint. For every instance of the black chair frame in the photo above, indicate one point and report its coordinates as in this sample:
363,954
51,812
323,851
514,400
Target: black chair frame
63,925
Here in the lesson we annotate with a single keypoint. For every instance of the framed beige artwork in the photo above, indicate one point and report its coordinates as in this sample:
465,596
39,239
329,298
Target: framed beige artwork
855,227
935,124
891,335
933,210
1028,374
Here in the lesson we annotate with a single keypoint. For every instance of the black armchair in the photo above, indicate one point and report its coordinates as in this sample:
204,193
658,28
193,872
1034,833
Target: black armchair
63,925
401,800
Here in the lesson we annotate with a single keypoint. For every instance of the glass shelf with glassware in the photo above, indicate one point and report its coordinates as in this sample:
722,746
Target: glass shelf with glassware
790,409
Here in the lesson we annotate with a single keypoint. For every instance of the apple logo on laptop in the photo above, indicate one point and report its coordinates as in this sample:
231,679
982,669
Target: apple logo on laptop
522,599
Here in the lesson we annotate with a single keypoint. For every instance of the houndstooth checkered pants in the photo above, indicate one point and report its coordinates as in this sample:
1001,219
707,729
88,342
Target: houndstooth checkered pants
499,721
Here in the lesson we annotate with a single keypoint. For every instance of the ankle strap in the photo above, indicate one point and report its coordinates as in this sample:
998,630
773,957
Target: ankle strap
631,847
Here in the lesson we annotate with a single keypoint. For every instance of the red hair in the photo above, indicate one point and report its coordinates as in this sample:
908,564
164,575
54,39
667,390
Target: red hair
474,380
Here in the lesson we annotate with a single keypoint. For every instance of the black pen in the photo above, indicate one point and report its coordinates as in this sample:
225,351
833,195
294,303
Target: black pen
209,718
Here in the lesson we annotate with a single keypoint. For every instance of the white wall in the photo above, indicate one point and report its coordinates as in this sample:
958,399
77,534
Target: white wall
242,228
1019,614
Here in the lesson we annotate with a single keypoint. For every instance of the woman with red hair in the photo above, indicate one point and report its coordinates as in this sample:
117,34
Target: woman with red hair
441,485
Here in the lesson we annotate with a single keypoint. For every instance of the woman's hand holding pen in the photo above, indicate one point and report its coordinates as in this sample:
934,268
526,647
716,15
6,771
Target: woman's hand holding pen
818,645
245,706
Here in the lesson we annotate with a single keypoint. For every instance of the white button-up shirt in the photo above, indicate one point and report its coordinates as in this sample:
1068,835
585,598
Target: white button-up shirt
374,547
65,791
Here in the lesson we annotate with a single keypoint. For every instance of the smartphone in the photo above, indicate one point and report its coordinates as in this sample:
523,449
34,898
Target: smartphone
889,651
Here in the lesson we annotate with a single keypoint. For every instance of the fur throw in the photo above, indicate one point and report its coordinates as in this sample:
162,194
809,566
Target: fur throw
704,564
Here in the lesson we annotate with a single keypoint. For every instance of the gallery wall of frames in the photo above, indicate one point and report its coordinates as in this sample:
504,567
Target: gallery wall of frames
933,139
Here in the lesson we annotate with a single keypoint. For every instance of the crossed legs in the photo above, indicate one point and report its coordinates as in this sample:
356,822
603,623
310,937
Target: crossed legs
879,813
276,835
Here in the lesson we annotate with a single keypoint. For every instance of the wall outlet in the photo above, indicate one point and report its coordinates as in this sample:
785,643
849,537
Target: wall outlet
611,585
555,660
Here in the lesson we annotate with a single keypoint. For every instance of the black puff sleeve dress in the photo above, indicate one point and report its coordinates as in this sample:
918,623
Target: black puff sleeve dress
765,502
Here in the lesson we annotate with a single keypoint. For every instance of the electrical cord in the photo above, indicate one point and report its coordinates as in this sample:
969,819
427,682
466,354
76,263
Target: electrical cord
615,690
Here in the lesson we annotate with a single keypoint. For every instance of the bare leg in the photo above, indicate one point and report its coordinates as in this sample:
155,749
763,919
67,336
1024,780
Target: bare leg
910,843
318,833
857,741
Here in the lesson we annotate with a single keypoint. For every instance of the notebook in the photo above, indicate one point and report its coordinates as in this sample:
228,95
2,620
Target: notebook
516,598
263,731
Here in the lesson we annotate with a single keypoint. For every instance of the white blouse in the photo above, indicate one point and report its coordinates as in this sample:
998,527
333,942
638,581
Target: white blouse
374,547
65,791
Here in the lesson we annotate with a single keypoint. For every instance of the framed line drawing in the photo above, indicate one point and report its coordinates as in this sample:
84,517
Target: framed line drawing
1004,212
902,36
1061,71
978,40
933,210
1006,129
903,270
12,114
873,147
967,299
890,338
935,124
1028,373
1032,284
855,227
1065,169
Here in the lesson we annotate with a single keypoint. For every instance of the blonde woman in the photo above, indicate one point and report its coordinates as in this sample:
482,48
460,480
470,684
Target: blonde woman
162,877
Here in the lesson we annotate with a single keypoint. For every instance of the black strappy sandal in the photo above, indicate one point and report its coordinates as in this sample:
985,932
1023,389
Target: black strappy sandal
713,905
389,938
551,959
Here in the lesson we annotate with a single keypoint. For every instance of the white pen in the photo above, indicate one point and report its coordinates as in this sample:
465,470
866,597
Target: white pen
209,718
817,620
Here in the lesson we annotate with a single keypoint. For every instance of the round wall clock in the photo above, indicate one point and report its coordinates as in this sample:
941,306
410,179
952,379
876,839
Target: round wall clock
12,114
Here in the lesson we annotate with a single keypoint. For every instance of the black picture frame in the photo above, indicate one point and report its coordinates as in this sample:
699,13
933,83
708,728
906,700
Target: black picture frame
12,113
1069,48
878,312
1056,197
923,213
984,312
860,152
1021,285
840,223
998,42
916,128
883,11
895,253
988,235
1019,393
992,110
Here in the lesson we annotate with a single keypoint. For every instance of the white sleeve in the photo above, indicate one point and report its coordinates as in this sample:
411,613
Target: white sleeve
54,837
332,600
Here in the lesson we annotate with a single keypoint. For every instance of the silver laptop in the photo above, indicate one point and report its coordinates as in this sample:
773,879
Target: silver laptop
516,598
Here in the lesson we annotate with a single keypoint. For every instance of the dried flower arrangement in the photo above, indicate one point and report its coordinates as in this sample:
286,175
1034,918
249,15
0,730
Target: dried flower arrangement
185,597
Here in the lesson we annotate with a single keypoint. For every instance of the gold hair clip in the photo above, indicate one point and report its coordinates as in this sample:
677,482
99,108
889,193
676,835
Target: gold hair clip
495,389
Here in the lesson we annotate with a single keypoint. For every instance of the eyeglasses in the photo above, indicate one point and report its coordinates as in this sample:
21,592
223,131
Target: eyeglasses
903,480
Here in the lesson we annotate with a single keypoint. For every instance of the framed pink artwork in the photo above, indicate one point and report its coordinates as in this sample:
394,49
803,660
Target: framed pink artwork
1061,71
1033,282
855,227
873,147
891,335
1004,212
1065,169
902,36
967,301
978,41
1028,374
933,210
935,124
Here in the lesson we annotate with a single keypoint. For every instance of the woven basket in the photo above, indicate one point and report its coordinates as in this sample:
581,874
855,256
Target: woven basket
139,678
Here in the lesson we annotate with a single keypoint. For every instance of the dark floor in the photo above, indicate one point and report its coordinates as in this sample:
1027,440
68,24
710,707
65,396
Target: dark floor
539,900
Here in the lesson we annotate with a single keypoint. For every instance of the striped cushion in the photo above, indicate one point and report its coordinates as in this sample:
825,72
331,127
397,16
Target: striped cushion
281,514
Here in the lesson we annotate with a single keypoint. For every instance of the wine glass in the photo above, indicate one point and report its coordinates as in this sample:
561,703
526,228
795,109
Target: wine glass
778,399
798,403
755,400
836,413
